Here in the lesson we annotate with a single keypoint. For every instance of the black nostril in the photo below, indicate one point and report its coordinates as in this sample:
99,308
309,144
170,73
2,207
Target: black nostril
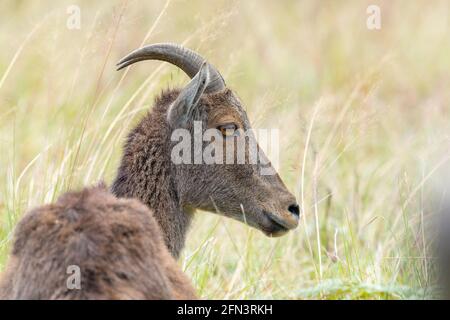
294,209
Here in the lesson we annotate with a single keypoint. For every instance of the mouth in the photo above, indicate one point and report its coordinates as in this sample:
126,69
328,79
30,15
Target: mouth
275,226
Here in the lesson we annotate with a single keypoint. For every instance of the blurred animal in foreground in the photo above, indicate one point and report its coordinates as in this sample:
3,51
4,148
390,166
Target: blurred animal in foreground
115,243
438,231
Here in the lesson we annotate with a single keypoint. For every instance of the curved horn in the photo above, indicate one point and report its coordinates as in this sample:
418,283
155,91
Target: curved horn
185,59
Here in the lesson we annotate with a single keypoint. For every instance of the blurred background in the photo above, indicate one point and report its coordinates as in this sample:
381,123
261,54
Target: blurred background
363,117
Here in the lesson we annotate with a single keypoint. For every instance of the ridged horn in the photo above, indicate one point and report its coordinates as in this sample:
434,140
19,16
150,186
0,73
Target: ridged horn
187,60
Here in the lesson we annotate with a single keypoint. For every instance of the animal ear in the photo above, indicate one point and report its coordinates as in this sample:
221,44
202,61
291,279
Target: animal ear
181,110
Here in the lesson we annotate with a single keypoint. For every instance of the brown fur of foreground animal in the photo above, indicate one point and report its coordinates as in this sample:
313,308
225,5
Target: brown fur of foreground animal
174,191
116,244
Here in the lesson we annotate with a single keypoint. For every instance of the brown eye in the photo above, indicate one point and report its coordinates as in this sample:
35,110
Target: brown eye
228,129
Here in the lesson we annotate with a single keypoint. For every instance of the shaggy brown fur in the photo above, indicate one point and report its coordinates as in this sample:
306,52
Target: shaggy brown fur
116,243
173,192
145,173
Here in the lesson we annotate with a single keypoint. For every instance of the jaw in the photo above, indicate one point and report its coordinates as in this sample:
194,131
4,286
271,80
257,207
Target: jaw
269,224
272,225
273,229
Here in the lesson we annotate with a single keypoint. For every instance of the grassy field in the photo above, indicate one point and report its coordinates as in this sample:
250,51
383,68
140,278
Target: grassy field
363,118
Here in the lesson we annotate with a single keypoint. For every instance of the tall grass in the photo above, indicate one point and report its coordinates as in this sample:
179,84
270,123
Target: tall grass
363,119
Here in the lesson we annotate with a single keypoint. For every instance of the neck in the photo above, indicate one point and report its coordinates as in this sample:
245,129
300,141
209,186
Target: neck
145,174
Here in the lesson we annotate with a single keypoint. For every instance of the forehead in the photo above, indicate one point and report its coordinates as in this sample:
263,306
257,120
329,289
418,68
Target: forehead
224,108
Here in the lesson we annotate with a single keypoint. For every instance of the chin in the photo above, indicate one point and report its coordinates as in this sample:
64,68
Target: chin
275,233
274,230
